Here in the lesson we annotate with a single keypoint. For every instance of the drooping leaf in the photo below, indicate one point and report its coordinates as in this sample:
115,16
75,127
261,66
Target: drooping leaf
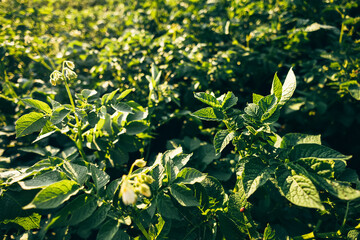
222,139
40,105
54,195
309,150
183,195
29,123
340,190
207,99
298,189
209,114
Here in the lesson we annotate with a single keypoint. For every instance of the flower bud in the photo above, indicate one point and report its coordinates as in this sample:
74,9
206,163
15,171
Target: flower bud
145,190
140,163
70,65
148,179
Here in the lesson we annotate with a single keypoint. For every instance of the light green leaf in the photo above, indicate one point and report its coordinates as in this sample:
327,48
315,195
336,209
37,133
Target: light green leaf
183,195
298,189
42,180
76,172
100,177
209,114
29,123
111,96
323,167
190,176
124,94
40,105
122,107
276,88
222,139
291,139
54,195
229,101
288,87
255,174
256,98
87,93
310,150
59,114
338,189
269,233
208,99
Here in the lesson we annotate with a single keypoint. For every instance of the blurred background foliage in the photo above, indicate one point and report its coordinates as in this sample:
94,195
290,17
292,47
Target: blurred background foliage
199,45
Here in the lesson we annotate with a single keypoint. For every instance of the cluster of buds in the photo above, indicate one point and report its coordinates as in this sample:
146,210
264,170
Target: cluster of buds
67,73
135,184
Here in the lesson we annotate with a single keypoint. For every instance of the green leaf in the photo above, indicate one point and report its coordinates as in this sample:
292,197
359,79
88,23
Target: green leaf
229,101
27,223
214,190
183,195
256,98
54,195
340,190
323,167
95,219
166,208
122,107
276,87
59,114
180,161
354,90
288,87
268,106
190,176
29,123
229,228
100,177
42,180
310,150
222,139
108,230
298,189
87,93
136,127
209,114
291,139
253,110
208,99
237,200
111,96
44,107
76,172
255,174
269,233
124,94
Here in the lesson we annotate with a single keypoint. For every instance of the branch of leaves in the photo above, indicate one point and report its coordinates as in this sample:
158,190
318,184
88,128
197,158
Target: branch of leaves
305,167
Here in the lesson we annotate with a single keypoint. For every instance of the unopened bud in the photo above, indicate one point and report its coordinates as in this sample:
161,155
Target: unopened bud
148,179
145,190
140,163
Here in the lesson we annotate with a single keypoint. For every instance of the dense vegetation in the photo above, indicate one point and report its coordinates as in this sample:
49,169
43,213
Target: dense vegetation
179,119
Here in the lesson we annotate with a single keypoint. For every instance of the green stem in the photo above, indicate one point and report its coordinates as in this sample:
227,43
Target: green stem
312,235
78,142
142,229
346,213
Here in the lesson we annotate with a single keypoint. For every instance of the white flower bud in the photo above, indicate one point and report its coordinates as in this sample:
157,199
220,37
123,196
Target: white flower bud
70,74
145,190
140,163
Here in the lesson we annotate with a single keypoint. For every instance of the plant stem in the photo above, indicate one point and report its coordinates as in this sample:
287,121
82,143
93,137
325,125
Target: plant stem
78,142
346,213
142,229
